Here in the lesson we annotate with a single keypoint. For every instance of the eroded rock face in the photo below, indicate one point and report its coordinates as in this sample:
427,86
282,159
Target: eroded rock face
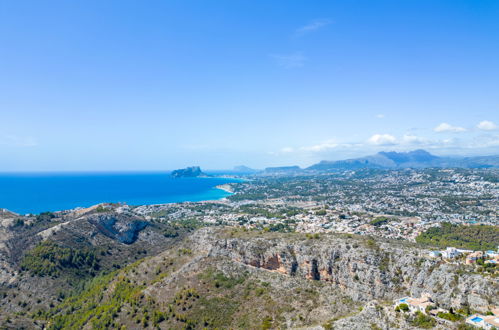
380,270
120,228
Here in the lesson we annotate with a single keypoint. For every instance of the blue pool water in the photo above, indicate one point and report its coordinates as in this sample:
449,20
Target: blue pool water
477,319
35,192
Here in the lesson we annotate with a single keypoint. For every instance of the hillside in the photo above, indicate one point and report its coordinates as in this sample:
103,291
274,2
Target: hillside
231,278
44,257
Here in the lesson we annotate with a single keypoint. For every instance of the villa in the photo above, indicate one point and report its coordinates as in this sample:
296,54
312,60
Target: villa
473,257
416,304
450,253
486,322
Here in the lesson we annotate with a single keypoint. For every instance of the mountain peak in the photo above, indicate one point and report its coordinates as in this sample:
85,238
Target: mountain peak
418,155
244,169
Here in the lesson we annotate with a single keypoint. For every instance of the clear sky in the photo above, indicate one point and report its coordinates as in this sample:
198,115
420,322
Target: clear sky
152,85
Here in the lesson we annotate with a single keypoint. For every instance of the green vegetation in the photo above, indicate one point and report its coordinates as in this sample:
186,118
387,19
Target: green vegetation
379,221
184,251
116,299
282,227
18,223
102,209
429,308
267,323
50,259
402,307
174,229
45,217
218,279
423,321
321,212
450,316
467,237
90,307
260,211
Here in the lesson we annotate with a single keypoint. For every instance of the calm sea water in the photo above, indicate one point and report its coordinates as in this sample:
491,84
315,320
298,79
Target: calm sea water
35,193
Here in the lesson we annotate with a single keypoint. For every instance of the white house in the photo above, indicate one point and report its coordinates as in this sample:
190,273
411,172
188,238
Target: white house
416,304
450,253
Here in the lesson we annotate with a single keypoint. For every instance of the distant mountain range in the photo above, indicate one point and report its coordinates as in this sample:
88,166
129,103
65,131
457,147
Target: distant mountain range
281,169
412,159
244,169
382,160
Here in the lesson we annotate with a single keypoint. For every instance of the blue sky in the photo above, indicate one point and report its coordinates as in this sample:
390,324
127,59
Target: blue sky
152,85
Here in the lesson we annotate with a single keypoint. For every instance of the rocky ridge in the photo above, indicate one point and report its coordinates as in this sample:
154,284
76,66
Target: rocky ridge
363,269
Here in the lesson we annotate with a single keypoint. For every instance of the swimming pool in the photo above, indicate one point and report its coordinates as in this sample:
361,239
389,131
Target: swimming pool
476,319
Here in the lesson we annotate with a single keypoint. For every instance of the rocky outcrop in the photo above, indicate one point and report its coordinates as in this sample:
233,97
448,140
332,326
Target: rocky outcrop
363,268
121,228
189,172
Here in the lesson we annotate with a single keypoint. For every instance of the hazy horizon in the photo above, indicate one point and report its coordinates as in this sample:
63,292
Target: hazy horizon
205,169
119,86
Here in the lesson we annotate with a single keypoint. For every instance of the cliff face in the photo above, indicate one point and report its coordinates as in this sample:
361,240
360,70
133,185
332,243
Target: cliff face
363,269
117,227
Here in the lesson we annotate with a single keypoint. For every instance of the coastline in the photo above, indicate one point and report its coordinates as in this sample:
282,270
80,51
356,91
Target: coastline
225,187
77,190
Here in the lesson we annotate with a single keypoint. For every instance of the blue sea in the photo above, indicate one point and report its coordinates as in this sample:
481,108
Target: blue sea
39,192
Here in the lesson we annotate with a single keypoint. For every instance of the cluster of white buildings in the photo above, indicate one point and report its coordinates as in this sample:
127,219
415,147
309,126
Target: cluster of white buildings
490,256
449,253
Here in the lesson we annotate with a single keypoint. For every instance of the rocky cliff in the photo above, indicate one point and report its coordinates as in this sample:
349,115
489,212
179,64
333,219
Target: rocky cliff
364,269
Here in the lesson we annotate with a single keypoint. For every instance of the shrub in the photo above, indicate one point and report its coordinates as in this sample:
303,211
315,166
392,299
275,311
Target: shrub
429,308
267,323
379,221
403,307
45,216
320,212
450,316
423,321
18,223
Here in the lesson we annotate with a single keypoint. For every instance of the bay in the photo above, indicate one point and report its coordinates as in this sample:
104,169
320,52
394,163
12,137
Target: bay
39,192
